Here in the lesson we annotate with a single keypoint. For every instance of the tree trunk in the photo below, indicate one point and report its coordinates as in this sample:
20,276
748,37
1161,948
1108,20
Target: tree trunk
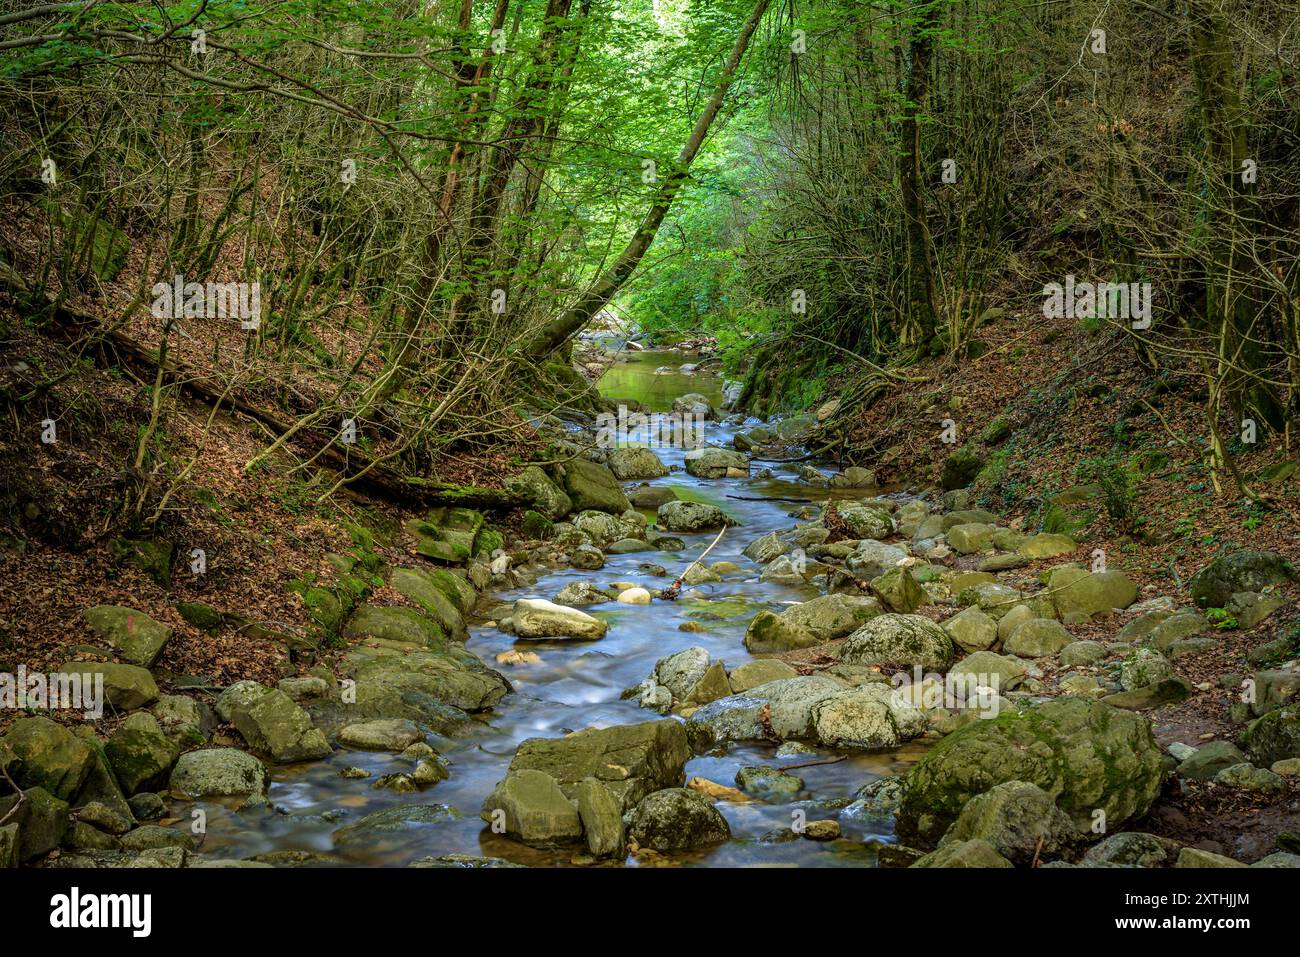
919,317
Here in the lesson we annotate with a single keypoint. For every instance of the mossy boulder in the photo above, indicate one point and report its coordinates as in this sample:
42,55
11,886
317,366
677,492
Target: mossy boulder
592,485
1037,638
832,616
691,517
1019,820
529,806
417,585
898,590
394,624
547,497
1246,570
1078,593
1086,755
769,633
219,772
677,819
899,640
126,687
201,616
272,722
48,756
1274,737
41,819
141,755
153,556
131,633
960,468
632,463
714,463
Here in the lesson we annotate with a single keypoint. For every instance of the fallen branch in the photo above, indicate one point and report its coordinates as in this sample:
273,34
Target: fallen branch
672,591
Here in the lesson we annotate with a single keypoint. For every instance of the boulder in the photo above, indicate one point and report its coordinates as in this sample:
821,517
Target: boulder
677,819
601,813
218,772
417,585
530,807
986,667
972,537
591,485
1085,754
869,716
1037,638
536,619
898,640
691,517
1079,594
651,496
1144,668
135,636
769,783
1247,777
126,687
633,464
1247,570
898,590
681,671
694,404
1273,737
41,820
49,756
183,721
545,495
769,633
272,722
973,853
972,630
864,521
791,703
832,616
1195,857
765,548
141,754
579,594
1132,849
1082,654
754,673
1019,820
392,829
738,717
713,463
387,623
1046,545
631,760
393,734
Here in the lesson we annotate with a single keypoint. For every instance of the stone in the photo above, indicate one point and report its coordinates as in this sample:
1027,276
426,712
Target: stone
854,477
898,640
41,819
420,587
713,463
634,596
960,468
141,754
1132,849
126,687
1242,571
182,720
147,806
1169,691
769,783
694,404
791,703
392,828
869,716
1144,668
973,853
765,548
1247,777
135,636
579,594
971,537
898,591
591,485
394,734
393,624
1273,737
784,571
712,686
1017,819
1085,754
768,633
754,673
738,717
1081,593
651,496
537,619
681,671
1046,545
1082,654
272,722
631,760
601,813
533,810
632,463
587,558
1176,627
971,629
1037,638
50,756
218,772
993,598
864,521
1250,608
832,616
1195,857
677,819
985,667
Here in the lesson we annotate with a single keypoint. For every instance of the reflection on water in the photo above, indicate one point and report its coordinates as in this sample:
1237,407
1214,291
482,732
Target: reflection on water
577,685
632,378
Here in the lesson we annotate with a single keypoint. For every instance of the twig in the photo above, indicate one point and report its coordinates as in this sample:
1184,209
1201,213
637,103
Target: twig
670,593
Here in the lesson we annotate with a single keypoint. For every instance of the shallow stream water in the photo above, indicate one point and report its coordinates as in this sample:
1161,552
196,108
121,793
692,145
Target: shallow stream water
578,685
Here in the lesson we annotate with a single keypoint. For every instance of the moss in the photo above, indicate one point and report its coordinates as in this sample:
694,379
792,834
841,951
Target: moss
200,615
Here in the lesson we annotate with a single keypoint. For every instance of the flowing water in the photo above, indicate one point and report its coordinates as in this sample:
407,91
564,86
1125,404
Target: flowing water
578,685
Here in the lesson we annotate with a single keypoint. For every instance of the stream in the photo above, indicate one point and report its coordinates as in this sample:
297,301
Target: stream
578,684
